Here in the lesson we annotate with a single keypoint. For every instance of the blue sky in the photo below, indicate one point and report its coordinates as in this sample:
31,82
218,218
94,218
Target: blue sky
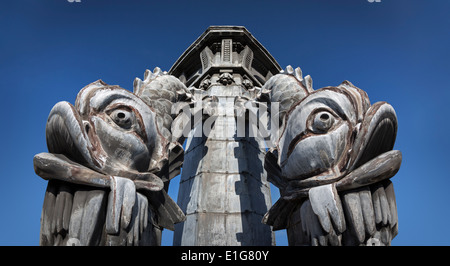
396,50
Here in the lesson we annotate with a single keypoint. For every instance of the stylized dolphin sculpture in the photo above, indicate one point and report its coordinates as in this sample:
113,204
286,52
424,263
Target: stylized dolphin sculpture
332,163
108,168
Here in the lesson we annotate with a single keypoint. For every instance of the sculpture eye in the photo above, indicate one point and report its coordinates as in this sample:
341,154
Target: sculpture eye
322,122
123,118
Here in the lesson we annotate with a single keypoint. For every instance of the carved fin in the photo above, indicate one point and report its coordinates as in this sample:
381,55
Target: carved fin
47,231
310,223
356,222
278,215
389,189
168,213
298,73
120,203
87,217
327,205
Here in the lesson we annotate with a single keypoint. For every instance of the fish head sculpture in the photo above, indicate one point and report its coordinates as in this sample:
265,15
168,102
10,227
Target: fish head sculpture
109,130
110,160
332,163
331,132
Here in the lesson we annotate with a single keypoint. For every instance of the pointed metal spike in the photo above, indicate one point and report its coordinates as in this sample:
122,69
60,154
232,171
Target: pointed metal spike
290,70
157,71
147,74
298,73
136,85
308,83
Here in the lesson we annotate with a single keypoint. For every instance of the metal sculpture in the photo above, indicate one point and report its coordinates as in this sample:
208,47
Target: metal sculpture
112,155
108,166
332,164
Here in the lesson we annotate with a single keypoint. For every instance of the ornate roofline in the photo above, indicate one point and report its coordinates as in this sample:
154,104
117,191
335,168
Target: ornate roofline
189,66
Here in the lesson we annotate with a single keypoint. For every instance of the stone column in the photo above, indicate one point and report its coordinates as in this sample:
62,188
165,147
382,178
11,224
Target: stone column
223,189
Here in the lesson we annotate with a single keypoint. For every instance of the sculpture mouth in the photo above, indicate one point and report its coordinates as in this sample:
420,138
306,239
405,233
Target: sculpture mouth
377,134
65,134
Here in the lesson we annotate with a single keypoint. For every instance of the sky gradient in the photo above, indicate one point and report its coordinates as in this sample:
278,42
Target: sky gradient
395,50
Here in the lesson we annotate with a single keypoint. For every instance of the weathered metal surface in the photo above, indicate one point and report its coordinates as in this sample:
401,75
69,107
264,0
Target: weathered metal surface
111,162
224,193
224,190
112,155
332,161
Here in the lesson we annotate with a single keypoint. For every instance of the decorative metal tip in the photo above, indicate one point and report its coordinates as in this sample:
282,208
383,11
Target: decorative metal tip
298,73
136,84
290,70
147,74
157,71
308,83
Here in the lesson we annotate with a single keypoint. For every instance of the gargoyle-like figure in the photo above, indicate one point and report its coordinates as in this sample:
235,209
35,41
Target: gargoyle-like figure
332,164
110,160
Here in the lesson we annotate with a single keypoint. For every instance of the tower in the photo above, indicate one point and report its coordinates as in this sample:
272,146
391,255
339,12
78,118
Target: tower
224,190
